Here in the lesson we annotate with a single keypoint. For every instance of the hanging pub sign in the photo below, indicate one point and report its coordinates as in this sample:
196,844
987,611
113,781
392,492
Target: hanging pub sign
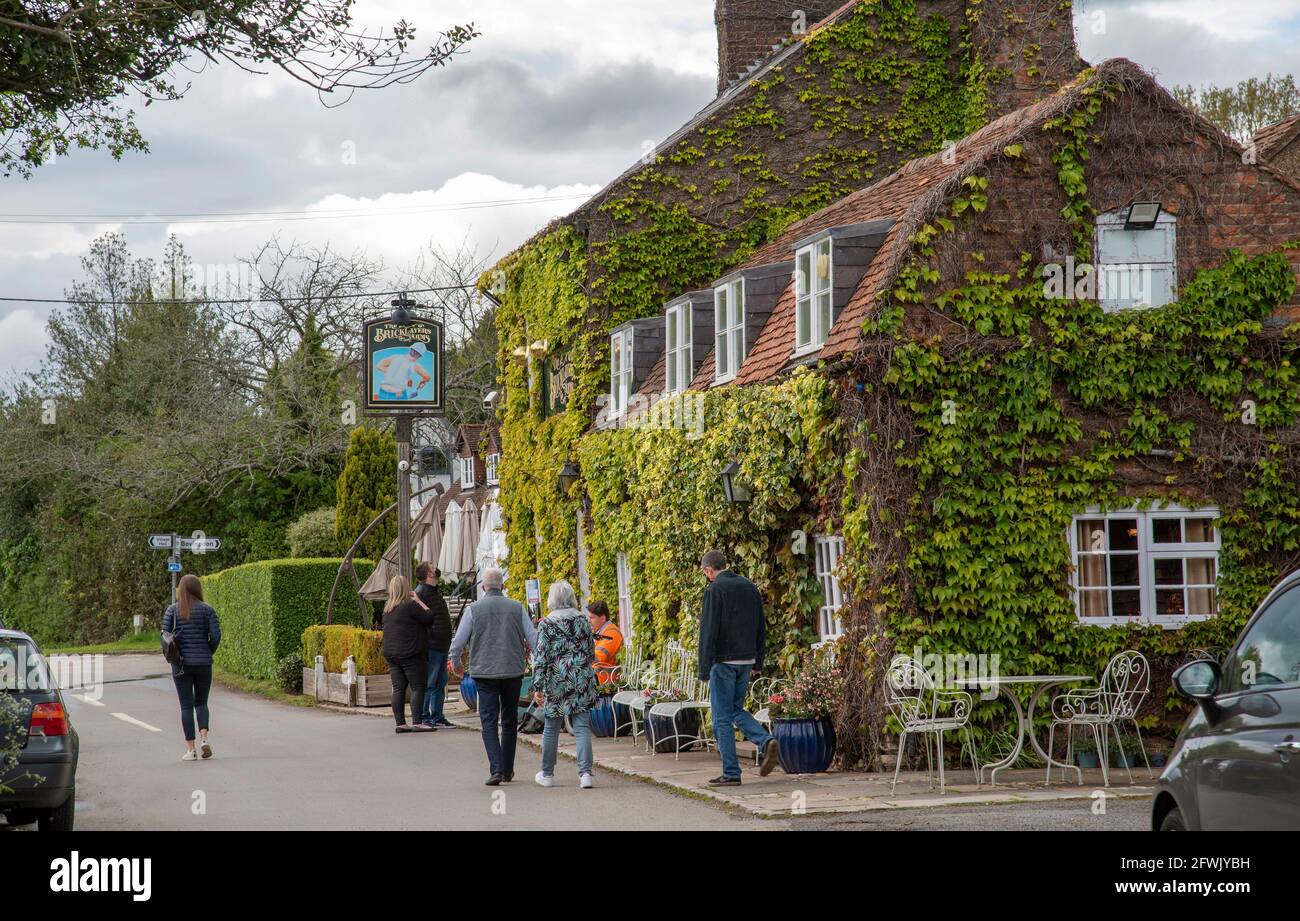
404,367
558,383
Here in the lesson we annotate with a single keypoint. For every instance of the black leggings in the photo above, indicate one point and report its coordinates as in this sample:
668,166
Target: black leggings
192,687
413,672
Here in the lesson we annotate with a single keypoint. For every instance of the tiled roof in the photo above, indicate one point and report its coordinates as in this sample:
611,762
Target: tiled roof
469,436
1270,140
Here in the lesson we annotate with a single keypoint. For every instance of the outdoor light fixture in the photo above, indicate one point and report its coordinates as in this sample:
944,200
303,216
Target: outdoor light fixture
403,310
538,348
733,487
568,476
1142,215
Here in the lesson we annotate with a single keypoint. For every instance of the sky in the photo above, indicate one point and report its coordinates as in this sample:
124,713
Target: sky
552,102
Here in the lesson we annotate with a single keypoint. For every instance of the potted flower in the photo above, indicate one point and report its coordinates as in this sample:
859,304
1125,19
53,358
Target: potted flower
1085,751
801,717
661,734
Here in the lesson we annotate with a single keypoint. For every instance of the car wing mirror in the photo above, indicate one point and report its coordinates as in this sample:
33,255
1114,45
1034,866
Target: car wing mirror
1200,681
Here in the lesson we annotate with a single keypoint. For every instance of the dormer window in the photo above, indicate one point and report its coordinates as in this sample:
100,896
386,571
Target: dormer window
813,280
678,368
491,462
620,371
467,473
729,326
1136,257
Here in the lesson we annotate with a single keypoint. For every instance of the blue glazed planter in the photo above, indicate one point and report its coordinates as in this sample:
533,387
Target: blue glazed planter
602,717
659,729
1087,759
622,718
469,692
807,745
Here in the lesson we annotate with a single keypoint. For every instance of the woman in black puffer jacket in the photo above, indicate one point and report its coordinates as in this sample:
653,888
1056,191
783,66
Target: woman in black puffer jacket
198,632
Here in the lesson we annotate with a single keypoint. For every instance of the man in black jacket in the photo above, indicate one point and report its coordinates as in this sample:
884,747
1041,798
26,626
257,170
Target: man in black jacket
439,643
733,637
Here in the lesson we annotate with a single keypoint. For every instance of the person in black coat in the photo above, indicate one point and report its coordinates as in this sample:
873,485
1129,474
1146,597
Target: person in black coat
407,621
435,696
198,631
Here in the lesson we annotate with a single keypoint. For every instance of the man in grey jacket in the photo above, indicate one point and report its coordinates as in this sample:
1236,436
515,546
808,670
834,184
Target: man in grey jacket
499,634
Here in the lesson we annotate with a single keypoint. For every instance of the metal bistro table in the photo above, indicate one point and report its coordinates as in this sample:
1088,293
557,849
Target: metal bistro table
1024,716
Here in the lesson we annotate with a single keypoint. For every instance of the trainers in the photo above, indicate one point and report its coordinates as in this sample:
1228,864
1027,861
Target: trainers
206,748
725,781
444,723
771,751
493,781
190,755
586,781
544,780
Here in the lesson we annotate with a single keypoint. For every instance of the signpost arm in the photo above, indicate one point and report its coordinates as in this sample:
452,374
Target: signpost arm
404,497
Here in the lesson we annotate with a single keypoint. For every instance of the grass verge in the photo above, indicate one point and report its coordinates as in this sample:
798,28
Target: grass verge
145,642
261,687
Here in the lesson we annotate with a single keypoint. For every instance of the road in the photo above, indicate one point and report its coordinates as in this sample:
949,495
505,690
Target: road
283,767
279,767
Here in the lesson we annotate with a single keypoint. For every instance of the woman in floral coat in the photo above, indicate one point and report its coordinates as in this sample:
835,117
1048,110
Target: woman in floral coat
564,682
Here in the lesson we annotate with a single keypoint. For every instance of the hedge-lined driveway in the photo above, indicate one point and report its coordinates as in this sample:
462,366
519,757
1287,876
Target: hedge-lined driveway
281,767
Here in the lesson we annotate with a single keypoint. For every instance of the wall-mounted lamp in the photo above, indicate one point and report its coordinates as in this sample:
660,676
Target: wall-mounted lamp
538,348
568,476
1143,215
733,487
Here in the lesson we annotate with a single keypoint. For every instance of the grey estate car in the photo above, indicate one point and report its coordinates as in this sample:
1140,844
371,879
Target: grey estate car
1236,764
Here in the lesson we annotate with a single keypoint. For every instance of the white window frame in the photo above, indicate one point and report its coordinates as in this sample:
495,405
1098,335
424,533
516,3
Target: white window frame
625,617
729,334
810,334
467,473
1148,552
1116,276
620,371
490,463
679,366
828,549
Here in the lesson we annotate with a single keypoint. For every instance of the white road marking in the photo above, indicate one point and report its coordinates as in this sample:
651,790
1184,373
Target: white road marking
87,700
135,722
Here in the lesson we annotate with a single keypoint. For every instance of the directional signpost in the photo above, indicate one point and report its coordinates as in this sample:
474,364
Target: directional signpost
199,543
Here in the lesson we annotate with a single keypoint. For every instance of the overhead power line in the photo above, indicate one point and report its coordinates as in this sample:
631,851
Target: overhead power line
236,300
269,216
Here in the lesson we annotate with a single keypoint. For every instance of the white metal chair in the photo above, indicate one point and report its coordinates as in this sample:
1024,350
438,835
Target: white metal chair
922,708
679,665
635,675
756,702
1124,685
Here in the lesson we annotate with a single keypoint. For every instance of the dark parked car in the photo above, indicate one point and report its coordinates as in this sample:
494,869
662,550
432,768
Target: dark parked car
1236,764
41,786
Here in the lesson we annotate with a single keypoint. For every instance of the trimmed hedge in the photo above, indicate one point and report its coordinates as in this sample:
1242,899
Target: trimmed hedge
264,607
337,642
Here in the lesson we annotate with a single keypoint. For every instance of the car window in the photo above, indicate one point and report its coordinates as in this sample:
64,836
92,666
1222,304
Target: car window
21,667
1269,653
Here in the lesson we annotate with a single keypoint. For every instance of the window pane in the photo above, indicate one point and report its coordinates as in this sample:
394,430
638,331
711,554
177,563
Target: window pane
823,315
723,361
1170,603
1201,572
1269,653
1092,570
1167,530
1203,602
1123,533
823,265
672,371
738,345
803,273
1094,604
686,325
1200,530
1091,535
1124,569
1127,603
804,335
720,309
1169,572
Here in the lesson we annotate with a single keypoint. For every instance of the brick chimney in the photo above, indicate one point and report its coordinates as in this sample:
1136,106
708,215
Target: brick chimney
1033,40
747,30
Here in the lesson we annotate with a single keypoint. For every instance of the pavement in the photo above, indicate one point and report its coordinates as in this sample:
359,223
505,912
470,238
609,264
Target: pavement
280,767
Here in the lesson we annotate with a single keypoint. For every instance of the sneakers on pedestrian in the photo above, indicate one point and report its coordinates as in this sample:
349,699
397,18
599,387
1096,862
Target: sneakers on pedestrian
444,723
493,781
771,752
190,755
725,781
205,748
586,781
544,780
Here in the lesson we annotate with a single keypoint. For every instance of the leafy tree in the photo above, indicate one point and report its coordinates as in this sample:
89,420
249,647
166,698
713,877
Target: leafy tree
313,535
1242,110
367,486
66,64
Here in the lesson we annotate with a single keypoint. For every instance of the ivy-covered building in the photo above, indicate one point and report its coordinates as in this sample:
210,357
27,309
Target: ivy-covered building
917,346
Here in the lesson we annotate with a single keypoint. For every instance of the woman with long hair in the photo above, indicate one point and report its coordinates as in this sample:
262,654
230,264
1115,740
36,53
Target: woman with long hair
406,648
198,632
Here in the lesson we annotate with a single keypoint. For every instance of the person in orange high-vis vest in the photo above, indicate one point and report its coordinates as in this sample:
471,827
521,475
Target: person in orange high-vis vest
609,640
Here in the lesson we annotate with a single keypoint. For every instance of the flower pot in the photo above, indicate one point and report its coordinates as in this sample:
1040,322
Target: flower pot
1159,759
1126,760
1087,759
659,730
807,744
469,692
622,718
602,717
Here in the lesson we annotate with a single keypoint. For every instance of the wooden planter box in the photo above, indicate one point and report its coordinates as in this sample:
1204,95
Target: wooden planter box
369,691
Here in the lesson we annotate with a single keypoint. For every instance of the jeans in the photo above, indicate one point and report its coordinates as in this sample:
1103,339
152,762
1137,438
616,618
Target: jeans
580,720
728,685
435,693
406,672
498,708
192,687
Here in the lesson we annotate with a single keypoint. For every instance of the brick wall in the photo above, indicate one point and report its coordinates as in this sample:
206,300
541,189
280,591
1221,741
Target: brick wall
1288,160
747,30
1032,39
